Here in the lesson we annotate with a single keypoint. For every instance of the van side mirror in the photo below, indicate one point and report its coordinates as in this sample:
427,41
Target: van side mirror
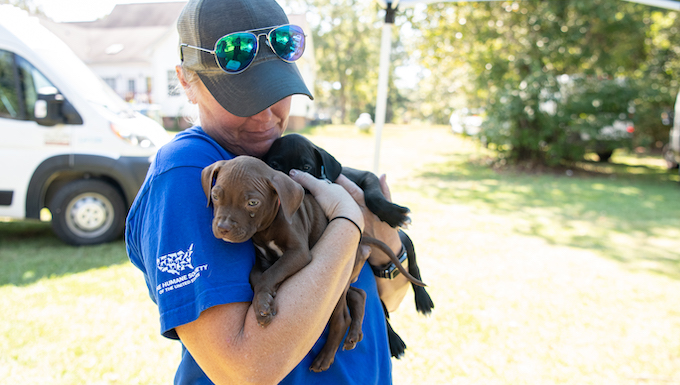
52,108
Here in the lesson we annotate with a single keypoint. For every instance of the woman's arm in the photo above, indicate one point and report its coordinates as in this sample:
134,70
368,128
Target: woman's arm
392,291
228,343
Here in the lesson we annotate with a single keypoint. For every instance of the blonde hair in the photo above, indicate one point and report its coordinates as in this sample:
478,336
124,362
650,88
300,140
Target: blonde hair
195,84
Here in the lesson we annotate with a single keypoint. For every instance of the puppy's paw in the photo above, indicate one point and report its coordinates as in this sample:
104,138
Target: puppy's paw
393,214
323,361
397,345
264,307
352,339
424,304
398,217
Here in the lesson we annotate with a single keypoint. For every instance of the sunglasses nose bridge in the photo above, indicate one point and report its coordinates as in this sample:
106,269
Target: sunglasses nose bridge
266,36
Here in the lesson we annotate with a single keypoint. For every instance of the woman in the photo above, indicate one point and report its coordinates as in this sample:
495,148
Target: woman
200,283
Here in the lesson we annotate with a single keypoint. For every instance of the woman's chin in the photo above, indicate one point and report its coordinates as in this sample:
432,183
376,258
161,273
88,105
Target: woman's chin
259,148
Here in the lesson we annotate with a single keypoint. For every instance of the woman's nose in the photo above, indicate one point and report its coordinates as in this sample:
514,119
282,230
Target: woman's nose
263,116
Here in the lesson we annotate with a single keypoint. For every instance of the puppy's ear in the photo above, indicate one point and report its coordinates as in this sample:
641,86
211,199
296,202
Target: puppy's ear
208,176
290,194
331,167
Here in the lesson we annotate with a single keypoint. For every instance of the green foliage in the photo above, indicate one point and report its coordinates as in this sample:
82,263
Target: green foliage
658,79
598,103
516,50
342,39
347,36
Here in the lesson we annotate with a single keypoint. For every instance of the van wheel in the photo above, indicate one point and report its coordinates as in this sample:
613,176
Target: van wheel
87,212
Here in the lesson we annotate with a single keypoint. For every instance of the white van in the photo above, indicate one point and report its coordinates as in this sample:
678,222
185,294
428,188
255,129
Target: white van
67,141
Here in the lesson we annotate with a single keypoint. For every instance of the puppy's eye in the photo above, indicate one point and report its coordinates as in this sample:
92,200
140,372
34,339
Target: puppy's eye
253,203
275,165
214,196
307,168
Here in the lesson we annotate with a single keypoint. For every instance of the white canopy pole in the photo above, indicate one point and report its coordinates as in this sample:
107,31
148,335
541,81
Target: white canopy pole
383,76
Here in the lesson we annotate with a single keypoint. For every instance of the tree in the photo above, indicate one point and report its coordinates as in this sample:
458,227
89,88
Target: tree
343,37
658,79
347,48
517,50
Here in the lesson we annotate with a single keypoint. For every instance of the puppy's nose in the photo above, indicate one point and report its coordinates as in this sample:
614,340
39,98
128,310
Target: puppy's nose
225,225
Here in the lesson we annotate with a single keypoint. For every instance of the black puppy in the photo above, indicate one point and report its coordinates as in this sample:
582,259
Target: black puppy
294,151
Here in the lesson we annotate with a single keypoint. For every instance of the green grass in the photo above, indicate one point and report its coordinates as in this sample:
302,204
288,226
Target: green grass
75,315
537,278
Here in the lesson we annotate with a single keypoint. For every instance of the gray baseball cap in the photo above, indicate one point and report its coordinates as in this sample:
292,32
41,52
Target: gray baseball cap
267,80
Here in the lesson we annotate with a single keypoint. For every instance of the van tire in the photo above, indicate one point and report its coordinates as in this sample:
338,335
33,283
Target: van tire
87,212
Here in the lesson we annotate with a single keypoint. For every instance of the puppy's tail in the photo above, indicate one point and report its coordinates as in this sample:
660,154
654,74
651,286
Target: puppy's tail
386,249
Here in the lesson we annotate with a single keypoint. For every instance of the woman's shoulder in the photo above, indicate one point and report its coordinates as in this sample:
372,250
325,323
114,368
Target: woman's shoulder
190,148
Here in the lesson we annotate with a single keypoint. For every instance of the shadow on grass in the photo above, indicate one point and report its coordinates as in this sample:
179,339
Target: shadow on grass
29,252
630,214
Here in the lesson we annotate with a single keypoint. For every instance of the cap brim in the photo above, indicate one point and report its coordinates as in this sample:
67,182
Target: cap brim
257,88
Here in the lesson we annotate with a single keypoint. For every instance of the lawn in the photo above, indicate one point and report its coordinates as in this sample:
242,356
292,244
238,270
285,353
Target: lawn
567,277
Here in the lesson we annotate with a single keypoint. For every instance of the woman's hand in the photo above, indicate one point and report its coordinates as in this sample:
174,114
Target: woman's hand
374,227
333,199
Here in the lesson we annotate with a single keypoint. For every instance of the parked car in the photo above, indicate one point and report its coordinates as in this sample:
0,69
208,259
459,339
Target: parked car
68,142
364,122
467,121
600,112
609,138
671,151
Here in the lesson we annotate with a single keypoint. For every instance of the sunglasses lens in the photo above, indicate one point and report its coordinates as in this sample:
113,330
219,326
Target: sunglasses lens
235,52
288,42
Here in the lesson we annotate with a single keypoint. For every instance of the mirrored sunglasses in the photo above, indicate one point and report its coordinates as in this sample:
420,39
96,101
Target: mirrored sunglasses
236,51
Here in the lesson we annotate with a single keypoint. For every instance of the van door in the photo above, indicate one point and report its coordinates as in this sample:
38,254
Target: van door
24,143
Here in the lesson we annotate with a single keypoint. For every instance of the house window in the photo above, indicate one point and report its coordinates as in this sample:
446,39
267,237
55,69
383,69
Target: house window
131,86
111,82
173,84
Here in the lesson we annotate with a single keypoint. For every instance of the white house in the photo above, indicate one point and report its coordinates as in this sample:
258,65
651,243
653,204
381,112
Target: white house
135,49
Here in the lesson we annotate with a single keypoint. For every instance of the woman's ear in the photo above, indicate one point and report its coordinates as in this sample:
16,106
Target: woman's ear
189,88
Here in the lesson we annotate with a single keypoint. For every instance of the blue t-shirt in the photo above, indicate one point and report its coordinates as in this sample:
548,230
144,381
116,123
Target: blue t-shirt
187,270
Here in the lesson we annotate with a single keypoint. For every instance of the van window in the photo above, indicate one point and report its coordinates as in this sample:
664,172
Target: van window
9,100
33,82
20,83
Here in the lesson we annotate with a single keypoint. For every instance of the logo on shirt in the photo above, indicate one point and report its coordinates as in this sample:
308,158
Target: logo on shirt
176,263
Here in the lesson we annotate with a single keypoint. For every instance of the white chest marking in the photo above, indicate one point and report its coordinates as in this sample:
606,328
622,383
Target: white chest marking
272,246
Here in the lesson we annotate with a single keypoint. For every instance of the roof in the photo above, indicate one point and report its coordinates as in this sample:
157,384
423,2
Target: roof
127,34
138,15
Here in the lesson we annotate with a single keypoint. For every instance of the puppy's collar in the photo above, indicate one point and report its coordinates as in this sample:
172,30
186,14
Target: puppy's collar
323,173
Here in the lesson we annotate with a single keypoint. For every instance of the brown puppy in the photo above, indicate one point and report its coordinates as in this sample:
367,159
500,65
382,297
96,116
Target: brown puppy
252,200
